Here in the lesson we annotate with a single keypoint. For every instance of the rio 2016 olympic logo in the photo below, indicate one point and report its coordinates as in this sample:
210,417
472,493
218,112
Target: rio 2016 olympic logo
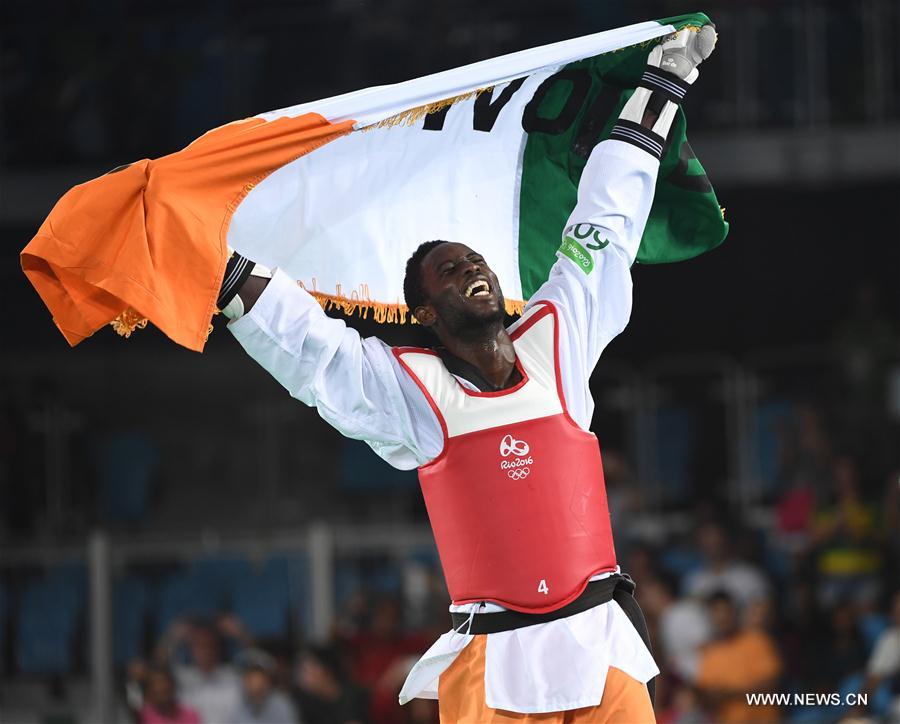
515,469
510,446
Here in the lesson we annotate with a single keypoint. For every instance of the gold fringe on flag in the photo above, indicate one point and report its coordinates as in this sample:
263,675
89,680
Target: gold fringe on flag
359,303
381,312
127,322
514,307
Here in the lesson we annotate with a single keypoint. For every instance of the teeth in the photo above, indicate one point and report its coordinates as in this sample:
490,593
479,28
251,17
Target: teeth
482,288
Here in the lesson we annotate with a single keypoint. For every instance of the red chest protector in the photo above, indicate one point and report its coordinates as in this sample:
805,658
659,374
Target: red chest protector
516,498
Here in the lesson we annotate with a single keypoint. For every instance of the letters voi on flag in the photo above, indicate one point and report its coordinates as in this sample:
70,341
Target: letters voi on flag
339,192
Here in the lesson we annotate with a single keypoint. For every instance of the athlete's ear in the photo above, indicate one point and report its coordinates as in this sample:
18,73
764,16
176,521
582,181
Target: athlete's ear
425,315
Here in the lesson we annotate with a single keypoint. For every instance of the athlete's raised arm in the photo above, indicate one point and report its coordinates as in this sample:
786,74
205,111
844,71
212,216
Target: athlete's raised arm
590,283
355,384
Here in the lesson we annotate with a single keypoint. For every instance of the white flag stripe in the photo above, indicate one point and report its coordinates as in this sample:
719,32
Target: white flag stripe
372,105
373,197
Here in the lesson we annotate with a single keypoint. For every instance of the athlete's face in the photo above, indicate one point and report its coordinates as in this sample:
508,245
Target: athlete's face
463,292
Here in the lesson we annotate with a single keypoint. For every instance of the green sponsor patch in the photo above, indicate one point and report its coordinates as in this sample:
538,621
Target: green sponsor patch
577,253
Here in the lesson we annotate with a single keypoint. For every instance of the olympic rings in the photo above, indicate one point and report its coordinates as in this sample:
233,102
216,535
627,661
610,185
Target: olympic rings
518,473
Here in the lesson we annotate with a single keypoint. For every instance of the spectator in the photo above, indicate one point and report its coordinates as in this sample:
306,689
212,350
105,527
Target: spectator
884,663
160,705
807,453
421,711
843,651
375,649
799,634
794,513
623,496
759,614
378,652
324,693
847,554
864,341
682,625
384,705
261,702
643,561
207,684
736,663
684,708
890,504
722,572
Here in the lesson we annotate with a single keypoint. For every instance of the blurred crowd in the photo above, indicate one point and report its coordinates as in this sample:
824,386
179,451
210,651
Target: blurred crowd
822,617
801,598
212,671
807,604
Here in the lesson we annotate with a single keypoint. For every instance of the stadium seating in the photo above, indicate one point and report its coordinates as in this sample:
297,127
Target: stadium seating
216,573
260,596
296,569
676,439
771,416
50,610
261,599
185,595
131,604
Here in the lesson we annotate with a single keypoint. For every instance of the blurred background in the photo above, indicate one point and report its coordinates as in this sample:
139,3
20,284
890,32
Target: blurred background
175,531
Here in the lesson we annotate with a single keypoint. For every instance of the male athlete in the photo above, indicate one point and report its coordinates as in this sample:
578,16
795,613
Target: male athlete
496,420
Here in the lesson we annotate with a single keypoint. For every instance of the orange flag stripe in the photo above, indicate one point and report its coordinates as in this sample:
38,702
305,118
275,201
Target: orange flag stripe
149,240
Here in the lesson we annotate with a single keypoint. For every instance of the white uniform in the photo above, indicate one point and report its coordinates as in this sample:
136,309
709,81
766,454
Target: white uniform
358,386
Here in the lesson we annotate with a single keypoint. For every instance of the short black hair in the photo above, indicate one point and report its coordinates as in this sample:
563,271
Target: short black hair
413,291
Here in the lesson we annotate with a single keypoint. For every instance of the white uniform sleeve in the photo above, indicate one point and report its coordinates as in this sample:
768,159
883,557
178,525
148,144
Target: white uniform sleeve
356,384
590,283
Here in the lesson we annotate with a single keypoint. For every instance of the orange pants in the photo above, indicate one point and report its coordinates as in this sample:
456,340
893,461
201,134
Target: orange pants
461,697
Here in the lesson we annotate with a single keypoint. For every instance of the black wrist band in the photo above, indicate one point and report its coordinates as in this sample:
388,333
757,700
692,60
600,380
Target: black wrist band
237,271
669,85
638,135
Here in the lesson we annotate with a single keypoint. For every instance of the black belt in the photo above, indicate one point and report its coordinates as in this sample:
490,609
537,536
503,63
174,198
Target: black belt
594,594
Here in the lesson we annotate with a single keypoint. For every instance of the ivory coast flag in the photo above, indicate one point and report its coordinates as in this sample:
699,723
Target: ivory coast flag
339,192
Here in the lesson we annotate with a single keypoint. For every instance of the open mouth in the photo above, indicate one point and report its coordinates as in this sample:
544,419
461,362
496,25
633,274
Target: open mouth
478,288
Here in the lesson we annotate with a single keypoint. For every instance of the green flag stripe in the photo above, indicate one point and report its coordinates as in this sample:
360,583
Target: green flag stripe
569,114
